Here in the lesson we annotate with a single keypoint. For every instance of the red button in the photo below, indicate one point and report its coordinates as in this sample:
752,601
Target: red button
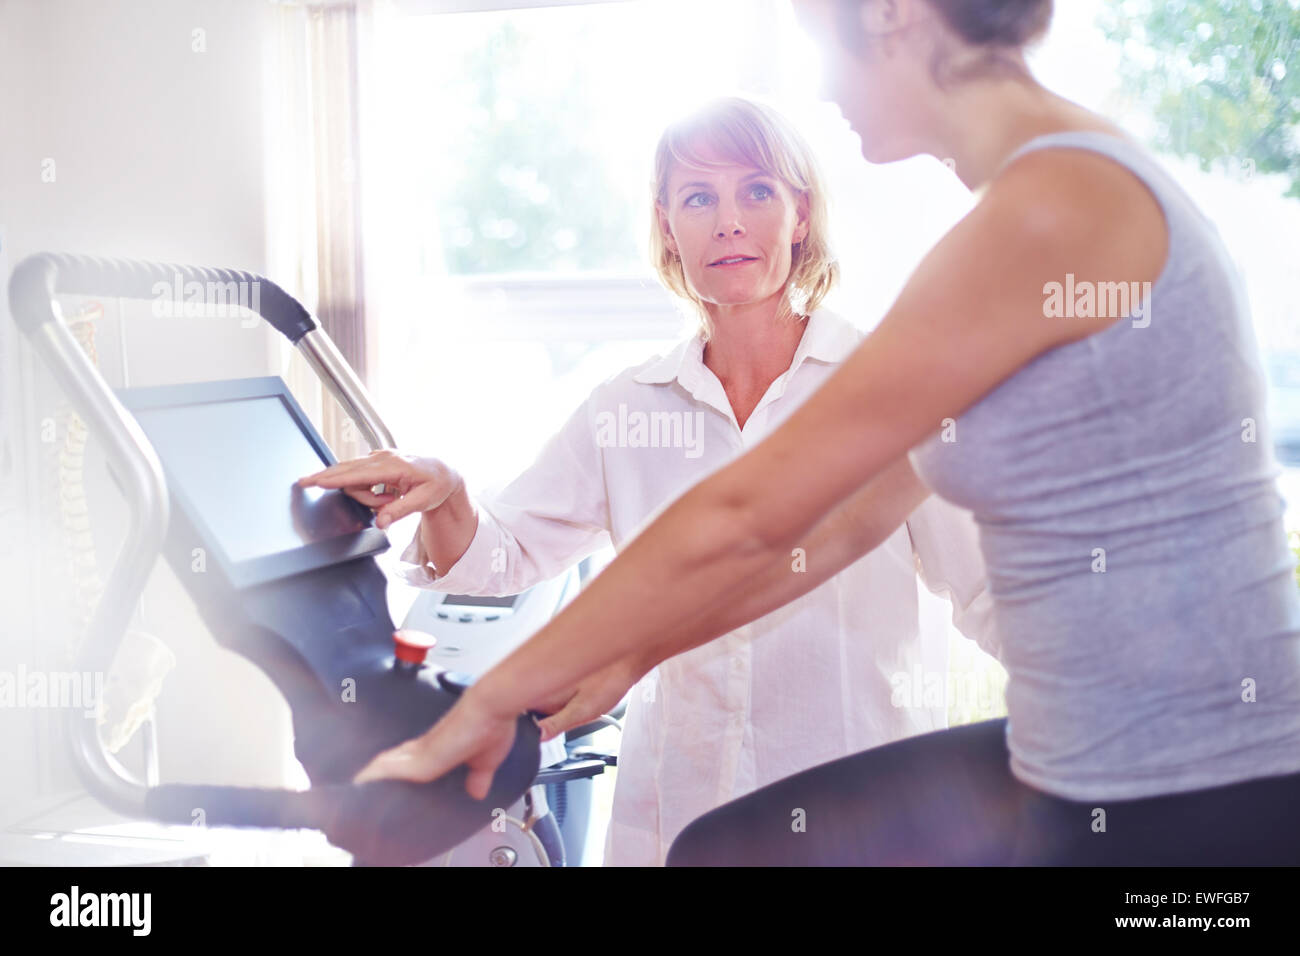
411,646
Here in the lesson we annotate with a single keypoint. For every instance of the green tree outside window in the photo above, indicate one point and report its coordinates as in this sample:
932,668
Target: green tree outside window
1219,77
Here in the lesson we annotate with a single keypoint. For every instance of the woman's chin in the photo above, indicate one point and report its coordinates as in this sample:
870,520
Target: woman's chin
880,149
734,299
880,153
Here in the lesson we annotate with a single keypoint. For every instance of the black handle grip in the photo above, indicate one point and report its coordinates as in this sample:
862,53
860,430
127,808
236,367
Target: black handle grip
382,822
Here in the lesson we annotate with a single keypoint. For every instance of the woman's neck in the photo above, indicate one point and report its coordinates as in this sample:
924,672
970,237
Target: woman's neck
982,123
748,350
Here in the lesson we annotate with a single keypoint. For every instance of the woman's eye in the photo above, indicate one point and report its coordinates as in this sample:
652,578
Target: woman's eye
702,197
761,191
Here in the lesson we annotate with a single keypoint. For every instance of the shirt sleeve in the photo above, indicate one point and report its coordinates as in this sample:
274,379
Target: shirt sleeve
545,521
945,542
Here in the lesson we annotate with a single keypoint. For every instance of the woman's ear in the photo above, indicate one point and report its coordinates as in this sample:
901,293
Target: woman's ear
803,223
881,17
666,230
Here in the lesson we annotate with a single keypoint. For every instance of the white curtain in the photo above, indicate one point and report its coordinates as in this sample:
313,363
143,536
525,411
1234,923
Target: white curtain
314,201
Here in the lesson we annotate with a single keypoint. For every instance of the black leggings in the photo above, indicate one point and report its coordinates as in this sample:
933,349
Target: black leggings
949,798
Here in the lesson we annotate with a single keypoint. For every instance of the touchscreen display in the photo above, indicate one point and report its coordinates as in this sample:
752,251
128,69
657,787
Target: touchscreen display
237,462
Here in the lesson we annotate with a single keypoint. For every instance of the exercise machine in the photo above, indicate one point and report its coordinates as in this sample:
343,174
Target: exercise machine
284,576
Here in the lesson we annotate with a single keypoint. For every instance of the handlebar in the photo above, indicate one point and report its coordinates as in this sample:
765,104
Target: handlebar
32,289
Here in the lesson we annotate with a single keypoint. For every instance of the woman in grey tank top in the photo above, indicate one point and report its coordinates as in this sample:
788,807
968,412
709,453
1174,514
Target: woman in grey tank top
1074,363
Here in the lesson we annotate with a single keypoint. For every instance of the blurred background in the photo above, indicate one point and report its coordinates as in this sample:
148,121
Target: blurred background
460,191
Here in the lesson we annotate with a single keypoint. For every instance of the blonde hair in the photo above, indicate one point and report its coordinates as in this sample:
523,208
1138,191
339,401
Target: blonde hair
747,133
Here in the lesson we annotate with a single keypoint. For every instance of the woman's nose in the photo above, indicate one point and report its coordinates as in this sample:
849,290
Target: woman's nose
729,226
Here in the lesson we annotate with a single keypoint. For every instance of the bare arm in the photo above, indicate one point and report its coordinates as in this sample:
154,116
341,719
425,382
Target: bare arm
446,531
855,527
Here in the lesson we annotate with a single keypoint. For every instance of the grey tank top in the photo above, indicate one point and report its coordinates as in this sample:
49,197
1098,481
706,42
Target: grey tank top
1124,487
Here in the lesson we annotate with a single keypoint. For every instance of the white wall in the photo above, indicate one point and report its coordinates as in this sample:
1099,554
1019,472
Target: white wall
158,153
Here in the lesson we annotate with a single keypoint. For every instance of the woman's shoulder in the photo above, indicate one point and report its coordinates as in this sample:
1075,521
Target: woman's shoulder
1083,198
633,380
839,325
1094,177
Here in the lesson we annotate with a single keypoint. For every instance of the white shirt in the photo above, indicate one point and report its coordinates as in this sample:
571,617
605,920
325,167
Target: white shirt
807,683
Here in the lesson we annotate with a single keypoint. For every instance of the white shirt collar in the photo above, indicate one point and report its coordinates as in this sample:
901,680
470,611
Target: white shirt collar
827,337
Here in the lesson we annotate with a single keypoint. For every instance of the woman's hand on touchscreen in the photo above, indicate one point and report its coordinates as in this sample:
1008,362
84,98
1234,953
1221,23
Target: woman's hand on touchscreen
393,484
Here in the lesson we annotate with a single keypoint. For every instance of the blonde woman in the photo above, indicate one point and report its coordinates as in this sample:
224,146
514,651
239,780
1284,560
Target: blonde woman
739,230
1142,589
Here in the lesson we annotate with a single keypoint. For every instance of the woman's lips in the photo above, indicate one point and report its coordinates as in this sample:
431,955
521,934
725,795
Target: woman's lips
732,265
